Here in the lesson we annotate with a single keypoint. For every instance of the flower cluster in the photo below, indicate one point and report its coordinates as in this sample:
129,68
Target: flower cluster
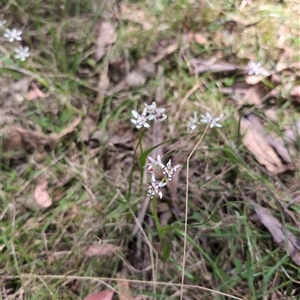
12,35
256,68
168,170
150,112
206,119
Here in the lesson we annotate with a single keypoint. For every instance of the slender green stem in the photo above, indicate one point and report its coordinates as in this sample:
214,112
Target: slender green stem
155,216
139,144
186,208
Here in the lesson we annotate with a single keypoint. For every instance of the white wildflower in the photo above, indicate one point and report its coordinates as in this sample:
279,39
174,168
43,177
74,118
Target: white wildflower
12,34
256,68
154,187
22,53
155,113
170,170
140,120
208,119
154,164
192,124
2,23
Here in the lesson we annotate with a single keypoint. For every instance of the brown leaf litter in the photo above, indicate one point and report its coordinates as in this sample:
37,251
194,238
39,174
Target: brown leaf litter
104,295
34,92
106,36
123,288
41,194
268,151
282,236
102,249
18,142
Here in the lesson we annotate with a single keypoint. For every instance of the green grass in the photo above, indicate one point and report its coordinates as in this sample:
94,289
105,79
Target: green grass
97,187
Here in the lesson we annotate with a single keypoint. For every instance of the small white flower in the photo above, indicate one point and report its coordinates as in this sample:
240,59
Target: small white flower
155,113
2,23
192,124
13,34
256,68
154,187
140,120
151,109
22,53
154,164
169,170
208,119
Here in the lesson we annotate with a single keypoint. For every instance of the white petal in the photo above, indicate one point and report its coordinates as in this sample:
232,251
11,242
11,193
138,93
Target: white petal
134,121
144,112
135,113
176,167
153,177
152,159
160,110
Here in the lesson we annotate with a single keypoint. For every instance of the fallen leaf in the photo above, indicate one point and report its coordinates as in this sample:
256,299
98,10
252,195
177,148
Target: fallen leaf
124,289
41,195
213,66
259,144
104,295
18,142
255,95
69,129
253,79
101,250
136,78
293,133
88,126
136,15
199,38
295,93
106,35
103,85
34,93
282,236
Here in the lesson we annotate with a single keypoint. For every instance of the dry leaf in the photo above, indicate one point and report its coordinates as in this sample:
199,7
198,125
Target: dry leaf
104,295
101,250
69,129
291,134
136,15
34,93
124,289
103,85
106,35
200,38
136,78
19,142
283,237
256,142
213,66
295,93
88,126
255,95
253,79
41,195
